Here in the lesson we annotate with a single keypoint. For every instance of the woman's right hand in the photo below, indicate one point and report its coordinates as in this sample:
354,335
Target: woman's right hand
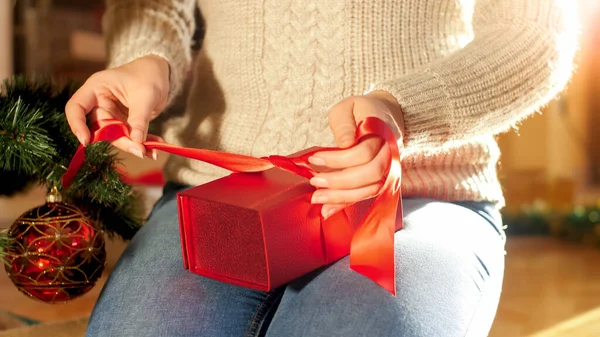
134,93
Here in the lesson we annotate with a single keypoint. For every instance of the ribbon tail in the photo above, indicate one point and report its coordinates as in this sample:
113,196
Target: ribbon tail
372,249
74,166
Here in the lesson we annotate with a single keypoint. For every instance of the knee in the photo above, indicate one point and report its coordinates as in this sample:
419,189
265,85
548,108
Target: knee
449,242
446,263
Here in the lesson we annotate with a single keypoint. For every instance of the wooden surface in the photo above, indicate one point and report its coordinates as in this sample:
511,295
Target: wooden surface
15,302
547,282
585,325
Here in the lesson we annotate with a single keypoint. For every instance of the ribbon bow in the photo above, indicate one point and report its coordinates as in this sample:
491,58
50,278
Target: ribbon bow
372,244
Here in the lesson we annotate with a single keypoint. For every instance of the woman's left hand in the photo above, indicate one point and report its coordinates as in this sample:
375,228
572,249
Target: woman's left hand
354,173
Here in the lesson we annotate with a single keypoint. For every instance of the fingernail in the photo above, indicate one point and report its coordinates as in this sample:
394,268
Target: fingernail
316,161
136,152
318,199
80,138
154,155
319,182
327,212
137,135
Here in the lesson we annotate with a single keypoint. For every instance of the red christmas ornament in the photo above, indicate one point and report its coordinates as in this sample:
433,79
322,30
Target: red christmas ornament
55,253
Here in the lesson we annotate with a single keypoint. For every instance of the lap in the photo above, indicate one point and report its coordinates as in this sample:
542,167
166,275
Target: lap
449,267
449,264
149,293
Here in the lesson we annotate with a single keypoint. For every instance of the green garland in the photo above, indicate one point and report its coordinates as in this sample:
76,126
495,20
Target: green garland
37,145
582,224
578,224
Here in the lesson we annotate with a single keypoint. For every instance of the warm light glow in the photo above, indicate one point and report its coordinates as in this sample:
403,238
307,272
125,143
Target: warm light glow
567,44
468,9
395,171
588,10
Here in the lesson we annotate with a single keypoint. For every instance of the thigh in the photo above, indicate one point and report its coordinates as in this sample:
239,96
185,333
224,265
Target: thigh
150,294
449,265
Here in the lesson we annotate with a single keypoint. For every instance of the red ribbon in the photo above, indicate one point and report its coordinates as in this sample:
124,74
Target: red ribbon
372,244
151,178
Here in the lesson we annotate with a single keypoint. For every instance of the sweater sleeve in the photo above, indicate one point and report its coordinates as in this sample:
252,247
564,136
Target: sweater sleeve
136,28
520,57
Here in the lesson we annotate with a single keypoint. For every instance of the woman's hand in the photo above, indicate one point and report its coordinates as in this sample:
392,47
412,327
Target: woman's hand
354,174
134,93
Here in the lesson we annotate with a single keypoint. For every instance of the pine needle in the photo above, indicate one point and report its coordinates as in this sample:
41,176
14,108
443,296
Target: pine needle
37,145
4,242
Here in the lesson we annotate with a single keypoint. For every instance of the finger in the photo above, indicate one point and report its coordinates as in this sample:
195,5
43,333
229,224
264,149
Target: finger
154,138
332,196
330,209
76,109
138,122
140,110
356,176
123,143
101,113
357,155
154,153
342,123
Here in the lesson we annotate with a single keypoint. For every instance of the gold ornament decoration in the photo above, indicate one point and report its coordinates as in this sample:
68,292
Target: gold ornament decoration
55,253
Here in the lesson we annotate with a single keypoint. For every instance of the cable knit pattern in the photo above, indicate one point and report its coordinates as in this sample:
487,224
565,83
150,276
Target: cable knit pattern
156,22
289,75
462,71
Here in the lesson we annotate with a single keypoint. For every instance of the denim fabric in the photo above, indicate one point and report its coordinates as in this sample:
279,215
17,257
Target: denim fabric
449,260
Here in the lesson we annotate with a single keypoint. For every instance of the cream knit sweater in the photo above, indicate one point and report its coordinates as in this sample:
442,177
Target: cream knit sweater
462,70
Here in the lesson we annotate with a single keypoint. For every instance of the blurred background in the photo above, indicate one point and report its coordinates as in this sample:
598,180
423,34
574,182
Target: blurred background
550,170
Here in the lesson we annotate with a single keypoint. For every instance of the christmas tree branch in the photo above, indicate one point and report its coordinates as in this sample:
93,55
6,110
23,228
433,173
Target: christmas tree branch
23,138
3,243
99,187
38,145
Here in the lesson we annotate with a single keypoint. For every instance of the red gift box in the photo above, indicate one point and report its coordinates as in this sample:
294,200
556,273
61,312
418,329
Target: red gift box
257,227
259,230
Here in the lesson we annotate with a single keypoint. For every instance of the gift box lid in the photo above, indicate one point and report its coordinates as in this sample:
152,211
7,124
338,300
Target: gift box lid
256,191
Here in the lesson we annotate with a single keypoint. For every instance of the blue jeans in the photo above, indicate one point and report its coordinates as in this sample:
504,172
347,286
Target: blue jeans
449,260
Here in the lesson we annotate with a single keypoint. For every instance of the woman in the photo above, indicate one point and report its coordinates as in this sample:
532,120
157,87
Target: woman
445,75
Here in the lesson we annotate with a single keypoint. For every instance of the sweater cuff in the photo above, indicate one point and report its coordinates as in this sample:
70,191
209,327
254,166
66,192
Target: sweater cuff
149,34
425,106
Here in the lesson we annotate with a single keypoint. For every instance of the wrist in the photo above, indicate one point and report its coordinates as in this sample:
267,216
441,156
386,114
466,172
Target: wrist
160,62
157,70
391,104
